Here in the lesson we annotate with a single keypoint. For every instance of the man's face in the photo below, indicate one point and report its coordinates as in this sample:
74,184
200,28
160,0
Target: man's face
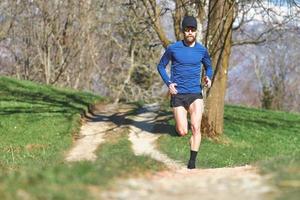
190,34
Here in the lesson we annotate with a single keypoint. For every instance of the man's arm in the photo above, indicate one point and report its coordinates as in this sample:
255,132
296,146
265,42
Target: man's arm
207,65
161,67
208,69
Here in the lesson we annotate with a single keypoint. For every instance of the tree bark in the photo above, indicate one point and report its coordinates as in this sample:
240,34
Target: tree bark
177,19
155,19
219,45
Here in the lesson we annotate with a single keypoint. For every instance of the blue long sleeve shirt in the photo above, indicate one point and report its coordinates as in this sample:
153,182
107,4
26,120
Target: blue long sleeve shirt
186,65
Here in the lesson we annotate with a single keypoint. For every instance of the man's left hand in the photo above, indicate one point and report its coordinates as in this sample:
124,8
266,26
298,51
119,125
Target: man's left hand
207,82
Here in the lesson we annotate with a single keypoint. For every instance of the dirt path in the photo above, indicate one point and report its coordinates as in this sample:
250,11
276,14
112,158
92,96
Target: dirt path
221,183
178,182
92,133
143,140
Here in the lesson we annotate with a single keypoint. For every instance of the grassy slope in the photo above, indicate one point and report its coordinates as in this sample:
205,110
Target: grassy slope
80,180
250,135
267,138
36,121
36,127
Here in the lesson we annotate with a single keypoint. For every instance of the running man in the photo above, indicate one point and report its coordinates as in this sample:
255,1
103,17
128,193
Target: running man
184,85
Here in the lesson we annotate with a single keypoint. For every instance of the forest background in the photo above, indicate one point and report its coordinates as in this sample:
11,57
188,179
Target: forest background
112,47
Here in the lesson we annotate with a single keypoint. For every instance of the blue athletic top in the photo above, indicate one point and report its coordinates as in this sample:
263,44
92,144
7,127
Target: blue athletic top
185,66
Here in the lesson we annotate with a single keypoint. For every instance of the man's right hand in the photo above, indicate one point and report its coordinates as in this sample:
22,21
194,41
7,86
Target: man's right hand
207,82
172,88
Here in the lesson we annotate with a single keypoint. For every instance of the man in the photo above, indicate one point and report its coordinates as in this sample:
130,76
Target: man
184,85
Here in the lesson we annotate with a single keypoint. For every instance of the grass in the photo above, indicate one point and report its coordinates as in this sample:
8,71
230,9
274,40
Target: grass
37,125
268,139
285,171
36,121
250,135
77,180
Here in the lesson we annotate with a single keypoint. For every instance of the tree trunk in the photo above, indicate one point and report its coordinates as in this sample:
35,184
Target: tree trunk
129,74
219,36
218,40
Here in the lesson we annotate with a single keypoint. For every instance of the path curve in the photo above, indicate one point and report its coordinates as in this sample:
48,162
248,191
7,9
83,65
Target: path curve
176,183
179,182
144,142
92,132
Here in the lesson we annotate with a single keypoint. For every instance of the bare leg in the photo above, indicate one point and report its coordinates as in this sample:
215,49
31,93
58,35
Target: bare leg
180,115
196,110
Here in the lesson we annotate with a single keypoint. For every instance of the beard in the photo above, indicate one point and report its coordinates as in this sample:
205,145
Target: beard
190,39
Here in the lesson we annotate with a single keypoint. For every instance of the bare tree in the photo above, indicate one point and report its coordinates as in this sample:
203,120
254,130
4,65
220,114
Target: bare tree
127,64
268,33
216,19
277,73
42,39
218,30
112,46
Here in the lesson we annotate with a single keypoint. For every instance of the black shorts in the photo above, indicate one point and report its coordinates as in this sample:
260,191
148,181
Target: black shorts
184,100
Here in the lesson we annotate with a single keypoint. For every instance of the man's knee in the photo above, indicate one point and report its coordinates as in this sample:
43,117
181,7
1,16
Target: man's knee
181,131
195,128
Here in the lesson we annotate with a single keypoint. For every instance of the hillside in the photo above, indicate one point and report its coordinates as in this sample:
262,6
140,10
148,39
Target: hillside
36,117
38,124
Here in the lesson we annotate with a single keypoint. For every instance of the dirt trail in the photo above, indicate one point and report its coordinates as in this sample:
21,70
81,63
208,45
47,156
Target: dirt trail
143,140
221,183
178,182
92,134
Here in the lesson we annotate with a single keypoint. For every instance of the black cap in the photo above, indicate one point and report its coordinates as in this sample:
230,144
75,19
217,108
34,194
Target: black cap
189,21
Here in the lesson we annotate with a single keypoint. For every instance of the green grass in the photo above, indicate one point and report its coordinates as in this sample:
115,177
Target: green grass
251,136
36,121
285,171
37,124
75,181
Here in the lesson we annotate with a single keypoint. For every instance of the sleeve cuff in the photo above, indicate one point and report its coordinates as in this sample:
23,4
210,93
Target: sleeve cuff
168,83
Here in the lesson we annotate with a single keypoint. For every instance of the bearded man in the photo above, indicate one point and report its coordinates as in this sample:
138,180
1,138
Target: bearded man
184,83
